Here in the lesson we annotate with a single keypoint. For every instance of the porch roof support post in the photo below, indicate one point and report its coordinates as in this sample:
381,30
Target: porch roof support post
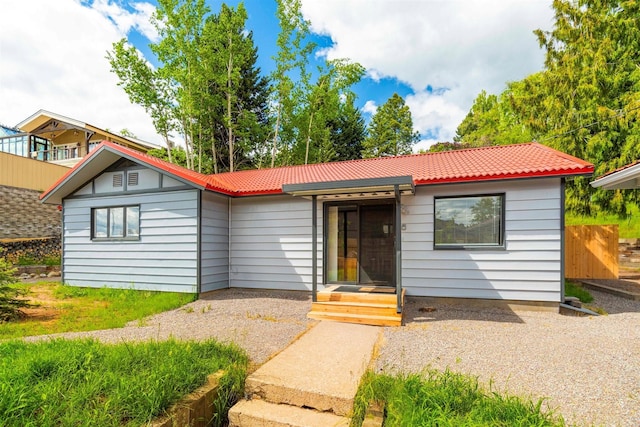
398,245
314,248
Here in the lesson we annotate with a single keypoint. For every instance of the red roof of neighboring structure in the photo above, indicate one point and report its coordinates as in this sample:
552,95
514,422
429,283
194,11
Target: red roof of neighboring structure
477,164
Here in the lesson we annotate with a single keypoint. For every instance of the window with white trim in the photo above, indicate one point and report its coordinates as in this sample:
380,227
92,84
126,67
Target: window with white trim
116,223
466,222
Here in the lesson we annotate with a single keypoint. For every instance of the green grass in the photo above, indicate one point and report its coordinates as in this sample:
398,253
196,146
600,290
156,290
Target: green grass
30,260
84,309
85,383
446,399
572,289
628,228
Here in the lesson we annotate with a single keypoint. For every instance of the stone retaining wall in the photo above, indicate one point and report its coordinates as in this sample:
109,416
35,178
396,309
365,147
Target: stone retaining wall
23,216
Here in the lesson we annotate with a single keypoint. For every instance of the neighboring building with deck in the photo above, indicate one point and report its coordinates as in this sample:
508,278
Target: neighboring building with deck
54,138
482,223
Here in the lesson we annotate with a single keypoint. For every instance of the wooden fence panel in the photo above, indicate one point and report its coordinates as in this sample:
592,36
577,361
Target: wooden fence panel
591,252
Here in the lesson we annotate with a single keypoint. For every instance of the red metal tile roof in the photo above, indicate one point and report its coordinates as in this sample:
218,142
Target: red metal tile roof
477,164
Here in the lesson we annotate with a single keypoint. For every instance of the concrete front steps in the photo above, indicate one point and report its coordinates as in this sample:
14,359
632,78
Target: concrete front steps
312,382
363,305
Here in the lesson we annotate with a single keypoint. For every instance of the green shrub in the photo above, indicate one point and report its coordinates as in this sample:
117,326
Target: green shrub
10,304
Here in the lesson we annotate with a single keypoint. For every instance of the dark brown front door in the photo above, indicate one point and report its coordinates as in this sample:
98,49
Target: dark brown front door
377,237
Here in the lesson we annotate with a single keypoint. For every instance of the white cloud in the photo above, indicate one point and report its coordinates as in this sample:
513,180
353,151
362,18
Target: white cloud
464,46
53,58
370,107
438,115
125,21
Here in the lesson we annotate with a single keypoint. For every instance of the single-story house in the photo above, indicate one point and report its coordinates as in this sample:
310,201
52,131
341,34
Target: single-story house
483,223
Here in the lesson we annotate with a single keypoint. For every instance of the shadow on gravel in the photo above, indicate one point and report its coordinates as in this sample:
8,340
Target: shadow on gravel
243,293
421,310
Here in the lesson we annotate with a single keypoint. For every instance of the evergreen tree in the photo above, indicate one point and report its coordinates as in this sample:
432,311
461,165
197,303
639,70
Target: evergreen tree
391,130
348,131
587,100
491,121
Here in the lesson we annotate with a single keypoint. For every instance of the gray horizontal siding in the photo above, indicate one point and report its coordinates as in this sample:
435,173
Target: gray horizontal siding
165,257
271,243
214,245
528,269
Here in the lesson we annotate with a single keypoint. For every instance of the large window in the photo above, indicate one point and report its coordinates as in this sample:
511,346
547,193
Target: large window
469,222
116,223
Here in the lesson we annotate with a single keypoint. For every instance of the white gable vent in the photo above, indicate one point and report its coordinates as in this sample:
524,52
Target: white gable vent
132,178
117,180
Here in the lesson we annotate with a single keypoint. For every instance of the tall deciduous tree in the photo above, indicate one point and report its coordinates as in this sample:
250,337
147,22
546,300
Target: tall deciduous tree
207,85
233,80
305,102
390,130
145,87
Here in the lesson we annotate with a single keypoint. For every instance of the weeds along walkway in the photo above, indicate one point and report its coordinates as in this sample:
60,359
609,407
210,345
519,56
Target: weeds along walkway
261,322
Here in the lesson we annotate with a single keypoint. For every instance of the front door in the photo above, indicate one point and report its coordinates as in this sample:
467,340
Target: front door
359,244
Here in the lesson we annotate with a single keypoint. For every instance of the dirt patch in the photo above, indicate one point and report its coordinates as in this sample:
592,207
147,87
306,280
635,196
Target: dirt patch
47,308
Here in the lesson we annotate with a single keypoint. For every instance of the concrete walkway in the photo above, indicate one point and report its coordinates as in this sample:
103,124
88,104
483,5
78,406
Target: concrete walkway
312,382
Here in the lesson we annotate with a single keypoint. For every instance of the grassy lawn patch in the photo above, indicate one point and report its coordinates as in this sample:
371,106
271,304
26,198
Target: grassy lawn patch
446,399
68,383
572,289
628,228
68,308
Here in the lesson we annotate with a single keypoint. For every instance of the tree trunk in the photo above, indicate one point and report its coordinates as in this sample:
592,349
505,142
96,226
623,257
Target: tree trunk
275,137
306,154
229,125
168,144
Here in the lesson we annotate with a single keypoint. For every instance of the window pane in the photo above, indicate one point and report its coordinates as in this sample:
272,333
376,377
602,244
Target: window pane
464,221
116,222
133,221
100,222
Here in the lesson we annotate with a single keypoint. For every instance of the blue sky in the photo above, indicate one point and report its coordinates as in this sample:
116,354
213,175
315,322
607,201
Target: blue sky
437,54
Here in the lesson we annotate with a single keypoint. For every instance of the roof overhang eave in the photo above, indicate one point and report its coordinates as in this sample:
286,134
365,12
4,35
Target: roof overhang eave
625,179
368,185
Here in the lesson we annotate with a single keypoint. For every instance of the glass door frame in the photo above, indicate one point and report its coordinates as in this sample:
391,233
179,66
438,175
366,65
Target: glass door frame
325,229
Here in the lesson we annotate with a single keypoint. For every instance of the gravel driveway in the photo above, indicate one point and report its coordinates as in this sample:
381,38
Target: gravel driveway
587,367
261,322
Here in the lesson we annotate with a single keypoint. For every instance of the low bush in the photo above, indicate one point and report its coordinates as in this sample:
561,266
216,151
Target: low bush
10,303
